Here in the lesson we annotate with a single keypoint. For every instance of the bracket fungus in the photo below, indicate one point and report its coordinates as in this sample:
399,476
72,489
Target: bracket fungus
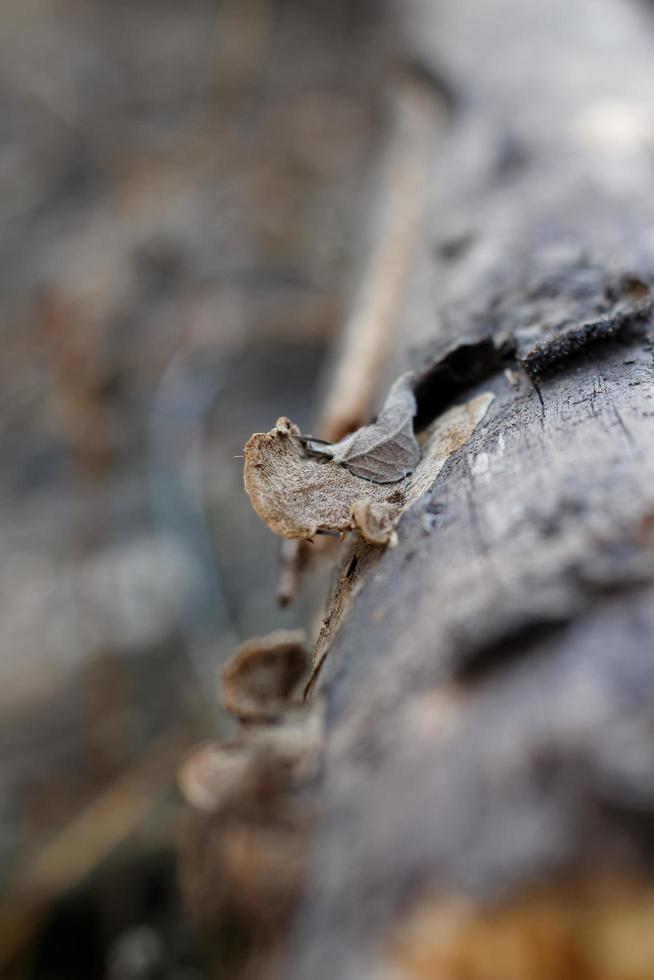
300,488
259,680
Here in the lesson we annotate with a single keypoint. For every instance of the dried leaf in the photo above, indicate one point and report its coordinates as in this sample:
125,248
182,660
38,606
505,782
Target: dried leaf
297,495
385,451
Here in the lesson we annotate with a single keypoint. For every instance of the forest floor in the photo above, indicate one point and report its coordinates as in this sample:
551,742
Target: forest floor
180,192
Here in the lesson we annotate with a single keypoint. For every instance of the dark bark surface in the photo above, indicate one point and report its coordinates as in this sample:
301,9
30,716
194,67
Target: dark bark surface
488,683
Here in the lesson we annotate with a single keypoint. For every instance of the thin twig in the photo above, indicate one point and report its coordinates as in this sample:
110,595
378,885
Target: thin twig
368,331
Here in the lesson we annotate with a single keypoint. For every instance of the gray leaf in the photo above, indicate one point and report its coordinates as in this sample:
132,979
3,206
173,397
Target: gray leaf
385,451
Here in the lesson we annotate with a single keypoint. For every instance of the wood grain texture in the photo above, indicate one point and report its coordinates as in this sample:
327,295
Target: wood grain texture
488,683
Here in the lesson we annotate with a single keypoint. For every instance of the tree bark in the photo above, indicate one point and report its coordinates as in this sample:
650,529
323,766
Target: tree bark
485,803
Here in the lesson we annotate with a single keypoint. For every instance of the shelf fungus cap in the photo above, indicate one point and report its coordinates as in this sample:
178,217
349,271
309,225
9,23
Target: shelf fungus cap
299,494
258,682
296,494
212,776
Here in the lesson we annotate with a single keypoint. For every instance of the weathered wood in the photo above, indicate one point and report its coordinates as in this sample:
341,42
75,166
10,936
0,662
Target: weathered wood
489,683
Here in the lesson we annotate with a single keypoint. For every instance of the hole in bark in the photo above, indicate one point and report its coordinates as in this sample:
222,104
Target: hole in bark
454,246
466,364
517,640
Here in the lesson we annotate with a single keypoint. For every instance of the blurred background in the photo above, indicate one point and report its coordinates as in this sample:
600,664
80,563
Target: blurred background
181,191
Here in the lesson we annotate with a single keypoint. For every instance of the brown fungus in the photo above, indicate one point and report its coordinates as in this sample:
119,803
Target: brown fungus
298,495
213,776
375,521
258,681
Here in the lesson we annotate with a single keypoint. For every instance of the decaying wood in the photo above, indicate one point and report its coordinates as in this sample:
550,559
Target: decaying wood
488,780
484,803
